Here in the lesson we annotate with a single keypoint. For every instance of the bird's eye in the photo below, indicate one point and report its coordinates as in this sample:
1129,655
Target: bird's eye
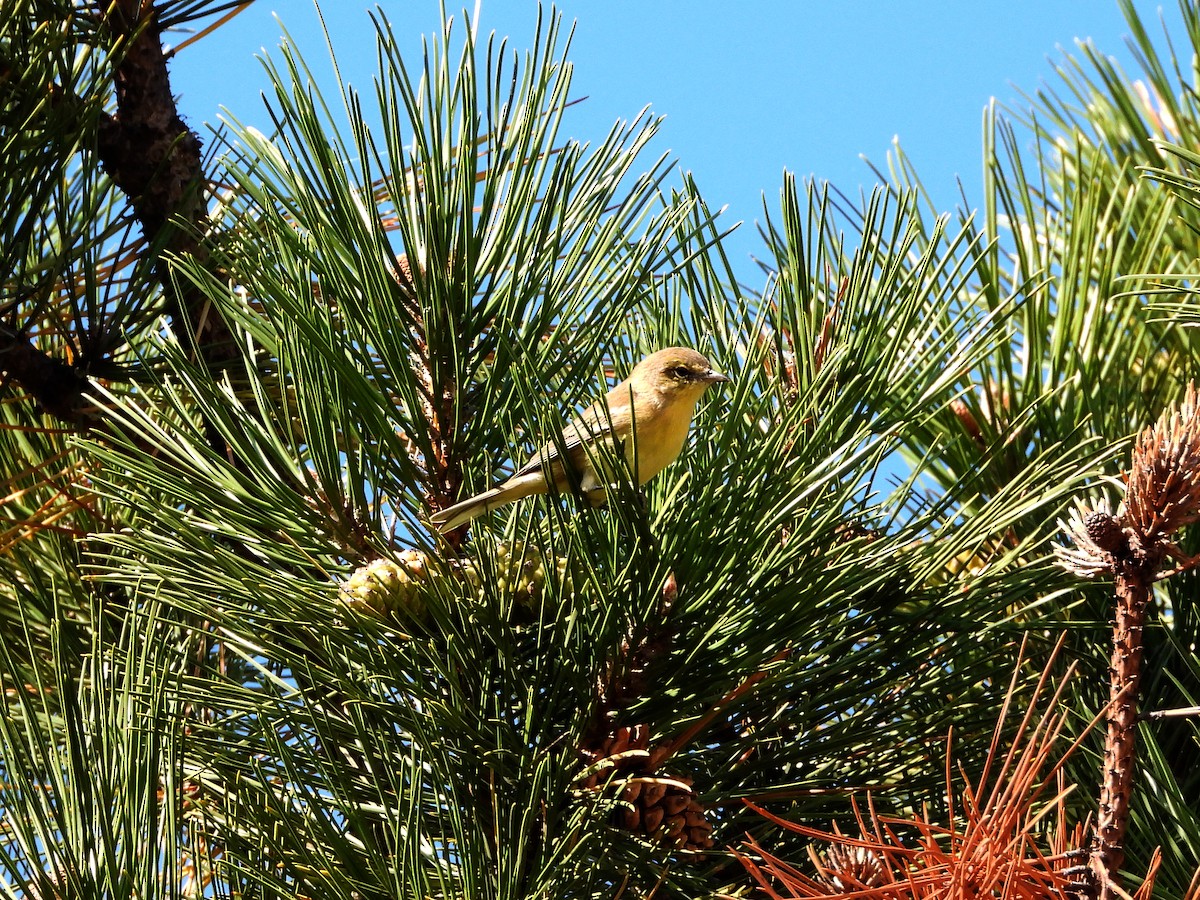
681,372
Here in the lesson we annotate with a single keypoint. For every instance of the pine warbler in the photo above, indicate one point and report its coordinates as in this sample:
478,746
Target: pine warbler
647,416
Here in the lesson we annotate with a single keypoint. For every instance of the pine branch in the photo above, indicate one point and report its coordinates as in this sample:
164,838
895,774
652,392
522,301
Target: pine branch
1162,495
57,386
154,160
153,157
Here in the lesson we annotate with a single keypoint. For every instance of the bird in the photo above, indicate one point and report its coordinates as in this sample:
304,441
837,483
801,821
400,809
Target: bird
648,416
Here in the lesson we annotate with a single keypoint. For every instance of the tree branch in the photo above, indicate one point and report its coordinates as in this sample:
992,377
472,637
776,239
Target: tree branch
154,158
56,386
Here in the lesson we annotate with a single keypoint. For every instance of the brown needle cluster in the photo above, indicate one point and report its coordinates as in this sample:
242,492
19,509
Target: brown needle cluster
1162,492
993,844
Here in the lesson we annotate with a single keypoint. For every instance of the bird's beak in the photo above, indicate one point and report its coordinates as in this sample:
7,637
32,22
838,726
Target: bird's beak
714,377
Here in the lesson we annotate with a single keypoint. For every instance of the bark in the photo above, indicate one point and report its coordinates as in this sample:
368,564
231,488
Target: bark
154,158
56,386
1134,580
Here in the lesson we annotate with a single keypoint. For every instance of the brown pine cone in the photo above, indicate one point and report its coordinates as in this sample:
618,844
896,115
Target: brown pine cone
653,804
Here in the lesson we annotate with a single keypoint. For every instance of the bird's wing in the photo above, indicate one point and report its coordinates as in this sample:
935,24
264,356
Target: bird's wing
589,425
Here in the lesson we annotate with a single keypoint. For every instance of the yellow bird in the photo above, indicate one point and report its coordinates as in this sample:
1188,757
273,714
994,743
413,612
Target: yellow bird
657,401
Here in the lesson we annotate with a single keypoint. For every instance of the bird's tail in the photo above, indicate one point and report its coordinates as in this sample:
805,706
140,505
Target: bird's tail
463,512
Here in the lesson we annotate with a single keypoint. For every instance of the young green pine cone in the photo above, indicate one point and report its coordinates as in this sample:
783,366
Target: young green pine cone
521,571
385,586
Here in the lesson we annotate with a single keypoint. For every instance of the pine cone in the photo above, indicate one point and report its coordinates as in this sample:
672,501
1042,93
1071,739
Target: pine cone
403,272
626,750
1105,530
521,572
660,807
385,586
666,809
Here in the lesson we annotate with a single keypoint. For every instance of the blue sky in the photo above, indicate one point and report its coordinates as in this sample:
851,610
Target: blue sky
748,89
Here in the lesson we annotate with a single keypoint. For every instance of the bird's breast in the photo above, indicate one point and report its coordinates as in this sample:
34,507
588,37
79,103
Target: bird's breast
660,430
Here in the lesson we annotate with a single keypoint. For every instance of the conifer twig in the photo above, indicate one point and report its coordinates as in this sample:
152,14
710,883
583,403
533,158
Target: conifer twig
154,158
1162,494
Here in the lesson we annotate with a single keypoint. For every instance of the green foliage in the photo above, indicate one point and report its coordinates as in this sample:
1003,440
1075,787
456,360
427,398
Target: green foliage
93,786
1101,258
447,755
420,292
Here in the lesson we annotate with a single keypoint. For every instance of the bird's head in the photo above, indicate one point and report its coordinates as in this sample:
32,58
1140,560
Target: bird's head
676,372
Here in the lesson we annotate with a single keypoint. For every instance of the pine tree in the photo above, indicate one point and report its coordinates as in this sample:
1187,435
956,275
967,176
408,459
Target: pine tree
238,660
